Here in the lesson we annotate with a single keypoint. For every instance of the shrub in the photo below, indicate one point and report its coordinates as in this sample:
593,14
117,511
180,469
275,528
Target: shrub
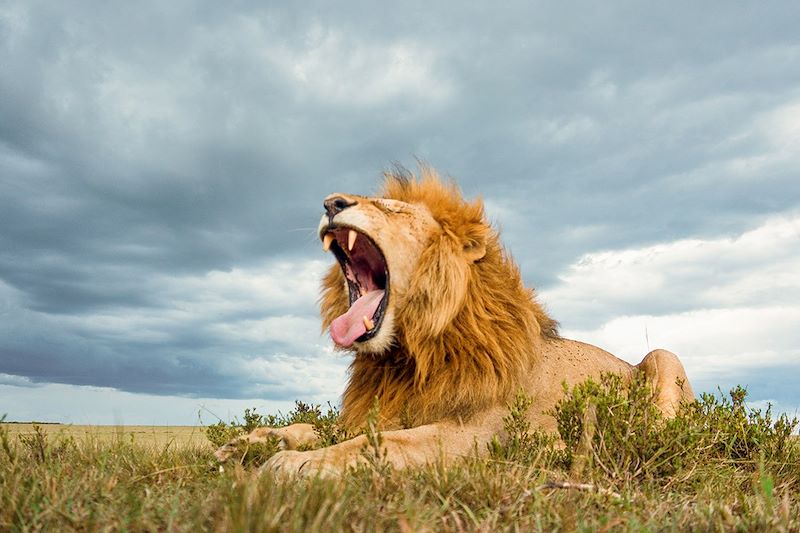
520,443
630,438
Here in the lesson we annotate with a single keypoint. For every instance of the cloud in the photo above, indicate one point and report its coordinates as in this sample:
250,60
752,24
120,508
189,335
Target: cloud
711,343
16,381
335,68
247,332
728,307
752,269
162,168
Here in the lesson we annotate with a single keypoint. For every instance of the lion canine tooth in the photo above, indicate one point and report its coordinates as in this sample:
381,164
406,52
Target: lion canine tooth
369,324
326,241
351,240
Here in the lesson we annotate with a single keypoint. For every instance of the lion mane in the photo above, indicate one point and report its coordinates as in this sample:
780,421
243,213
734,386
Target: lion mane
464,337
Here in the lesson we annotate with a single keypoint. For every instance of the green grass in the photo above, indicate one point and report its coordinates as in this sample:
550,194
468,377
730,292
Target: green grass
717,467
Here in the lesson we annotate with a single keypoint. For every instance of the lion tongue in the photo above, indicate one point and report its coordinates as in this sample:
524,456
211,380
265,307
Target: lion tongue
350,326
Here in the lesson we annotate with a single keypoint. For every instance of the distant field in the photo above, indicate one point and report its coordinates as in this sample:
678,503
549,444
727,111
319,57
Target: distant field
146,435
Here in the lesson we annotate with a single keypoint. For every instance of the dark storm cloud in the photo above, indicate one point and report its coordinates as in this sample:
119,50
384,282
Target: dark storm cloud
145,144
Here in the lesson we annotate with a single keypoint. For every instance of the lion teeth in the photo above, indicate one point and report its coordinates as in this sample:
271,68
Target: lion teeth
351,240
326,241
369,324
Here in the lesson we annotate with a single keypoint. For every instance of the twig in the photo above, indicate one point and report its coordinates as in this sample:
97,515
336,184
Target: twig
578,486
163,471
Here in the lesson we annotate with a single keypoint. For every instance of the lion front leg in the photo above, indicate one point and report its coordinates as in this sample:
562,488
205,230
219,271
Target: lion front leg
289,438
666,372
401,448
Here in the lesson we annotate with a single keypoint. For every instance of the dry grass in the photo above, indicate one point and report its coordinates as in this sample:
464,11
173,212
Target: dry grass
740,474
147,435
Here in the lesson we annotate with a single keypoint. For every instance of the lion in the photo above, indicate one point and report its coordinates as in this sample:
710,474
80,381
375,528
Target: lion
442,331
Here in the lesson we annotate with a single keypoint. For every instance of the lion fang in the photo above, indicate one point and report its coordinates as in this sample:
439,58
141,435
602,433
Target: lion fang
326,241
351,240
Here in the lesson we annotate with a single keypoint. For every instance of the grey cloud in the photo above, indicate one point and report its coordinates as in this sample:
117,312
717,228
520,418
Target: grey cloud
17,381
180,359
151,140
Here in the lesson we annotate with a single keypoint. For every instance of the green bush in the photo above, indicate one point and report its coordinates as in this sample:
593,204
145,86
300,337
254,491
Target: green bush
733,431
221,433
631,439
520,443
612,432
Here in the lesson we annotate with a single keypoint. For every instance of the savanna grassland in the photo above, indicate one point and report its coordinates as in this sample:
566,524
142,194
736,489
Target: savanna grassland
617,466
158,436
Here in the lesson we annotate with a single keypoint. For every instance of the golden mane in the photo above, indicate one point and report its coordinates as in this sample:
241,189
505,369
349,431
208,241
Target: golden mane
468,331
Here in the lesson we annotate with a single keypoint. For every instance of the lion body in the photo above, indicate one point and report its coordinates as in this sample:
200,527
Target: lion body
462,334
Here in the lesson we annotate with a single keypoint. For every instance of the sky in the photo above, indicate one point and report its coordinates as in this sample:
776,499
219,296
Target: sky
163,165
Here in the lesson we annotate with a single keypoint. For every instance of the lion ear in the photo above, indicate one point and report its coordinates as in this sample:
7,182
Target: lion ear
474,241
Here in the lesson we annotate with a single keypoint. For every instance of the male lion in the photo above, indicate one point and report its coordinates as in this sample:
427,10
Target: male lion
442,332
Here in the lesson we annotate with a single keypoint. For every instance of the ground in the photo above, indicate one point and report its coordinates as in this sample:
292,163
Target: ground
717,468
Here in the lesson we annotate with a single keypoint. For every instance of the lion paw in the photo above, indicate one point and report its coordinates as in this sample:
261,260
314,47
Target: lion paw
224,452
291,463
288,438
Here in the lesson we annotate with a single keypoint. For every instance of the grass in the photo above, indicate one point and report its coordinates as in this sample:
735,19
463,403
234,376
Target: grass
717,467
148,435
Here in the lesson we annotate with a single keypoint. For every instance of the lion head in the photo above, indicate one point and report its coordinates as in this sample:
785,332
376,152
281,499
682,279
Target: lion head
428,301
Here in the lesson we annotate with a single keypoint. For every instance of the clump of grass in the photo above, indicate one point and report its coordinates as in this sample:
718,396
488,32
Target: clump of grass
373,453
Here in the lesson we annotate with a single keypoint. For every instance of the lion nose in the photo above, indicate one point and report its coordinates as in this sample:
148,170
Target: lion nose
336,204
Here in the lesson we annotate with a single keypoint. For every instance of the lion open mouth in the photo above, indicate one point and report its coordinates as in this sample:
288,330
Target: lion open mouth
367,274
